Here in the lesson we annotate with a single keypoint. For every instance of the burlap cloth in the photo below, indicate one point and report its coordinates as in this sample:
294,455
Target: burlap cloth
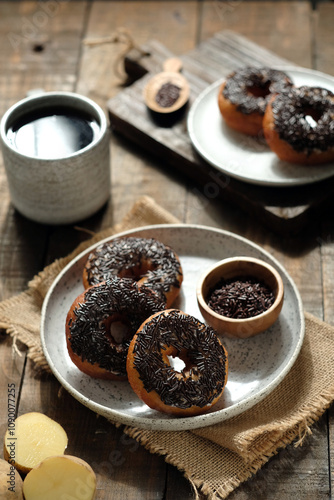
216,459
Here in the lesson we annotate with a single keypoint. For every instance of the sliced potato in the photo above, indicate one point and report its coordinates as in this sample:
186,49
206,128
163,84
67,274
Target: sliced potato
63,477
33,438
10,482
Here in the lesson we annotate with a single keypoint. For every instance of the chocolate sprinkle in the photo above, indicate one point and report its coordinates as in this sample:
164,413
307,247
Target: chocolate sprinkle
240,85
290,111
88,333
129,256
240,297
207,375
167,95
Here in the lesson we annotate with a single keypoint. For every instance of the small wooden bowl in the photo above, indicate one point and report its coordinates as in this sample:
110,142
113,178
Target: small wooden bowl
238,267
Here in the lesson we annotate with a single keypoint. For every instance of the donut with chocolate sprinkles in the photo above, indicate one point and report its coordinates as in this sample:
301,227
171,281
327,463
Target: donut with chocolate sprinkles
175,334
146,260
244,96
299,125
101,323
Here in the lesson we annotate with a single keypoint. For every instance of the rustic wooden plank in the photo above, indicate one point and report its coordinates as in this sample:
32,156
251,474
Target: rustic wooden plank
282,27
51,67
323,61
327,255
323,51
133,173
40,45
176,482
15,234
11,374
175,22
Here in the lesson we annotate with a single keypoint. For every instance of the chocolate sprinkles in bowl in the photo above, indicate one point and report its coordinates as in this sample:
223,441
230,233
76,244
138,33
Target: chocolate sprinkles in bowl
240,296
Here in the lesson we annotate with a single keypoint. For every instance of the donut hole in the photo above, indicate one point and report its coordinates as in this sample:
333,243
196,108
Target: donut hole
176,363
179,361
259,91
312,116
137,272
118,329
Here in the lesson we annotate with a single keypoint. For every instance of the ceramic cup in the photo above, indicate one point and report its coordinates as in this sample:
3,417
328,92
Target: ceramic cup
57,190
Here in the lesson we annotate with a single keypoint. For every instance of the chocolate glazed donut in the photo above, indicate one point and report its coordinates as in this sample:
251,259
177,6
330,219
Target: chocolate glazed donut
199,385
148,261
245,94
299,125
101,323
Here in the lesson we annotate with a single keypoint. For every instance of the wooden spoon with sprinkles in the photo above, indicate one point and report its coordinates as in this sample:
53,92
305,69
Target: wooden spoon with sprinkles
167,91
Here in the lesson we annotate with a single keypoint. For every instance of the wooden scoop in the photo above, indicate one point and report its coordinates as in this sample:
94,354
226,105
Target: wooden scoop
168,91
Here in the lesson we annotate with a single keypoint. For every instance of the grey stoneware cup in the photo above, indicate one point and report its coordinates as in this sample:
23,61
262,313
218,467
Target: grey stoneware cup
63,190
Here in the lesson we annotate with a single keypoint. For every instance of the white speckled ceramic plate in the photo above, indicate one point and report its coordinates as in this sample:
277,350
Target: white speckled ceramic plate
256,365
247,158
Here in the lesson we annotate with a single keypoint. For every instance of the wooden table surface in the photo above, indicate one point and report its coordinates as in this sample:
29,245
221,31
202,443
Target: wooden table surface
41,47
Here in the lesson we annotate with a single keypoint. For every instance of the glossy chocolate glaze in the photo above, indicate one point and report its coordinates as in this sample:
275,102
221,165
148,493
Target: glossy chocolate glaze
292,112
206,378
239,85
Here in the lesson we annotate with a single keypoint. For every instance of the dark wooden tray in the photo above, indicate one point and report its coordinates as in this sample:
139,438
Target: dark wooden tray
287,209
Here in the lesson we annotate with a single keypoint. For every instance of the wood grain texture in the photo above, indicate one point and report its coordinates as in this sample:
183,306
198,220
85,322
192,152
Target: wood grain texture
12,368
132,172
323,49
22,69
283,27
323,57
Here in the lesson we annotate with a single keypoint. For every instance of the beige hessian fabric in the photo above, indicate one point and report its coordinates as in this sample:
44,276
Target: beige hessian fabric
218,458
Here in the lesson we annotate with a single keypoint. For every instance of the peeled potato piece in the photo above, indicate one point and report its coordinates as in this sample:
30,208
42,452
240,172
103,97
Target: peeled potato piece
33,438
10,482
63,477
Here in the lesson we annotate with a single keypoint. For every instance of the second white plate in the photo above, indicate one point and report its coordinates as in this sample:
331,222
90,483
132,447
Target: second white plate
247,158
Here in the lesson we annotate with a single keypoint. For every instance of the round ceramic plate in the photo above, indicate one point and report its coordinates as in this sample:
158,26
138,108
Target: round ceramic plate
256,365
249,158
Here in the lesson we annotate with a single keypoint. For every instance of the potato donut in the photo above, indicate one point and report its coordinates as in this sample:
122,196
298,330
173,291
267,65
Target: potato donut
299,125
101,323
244,96
173,333
146,260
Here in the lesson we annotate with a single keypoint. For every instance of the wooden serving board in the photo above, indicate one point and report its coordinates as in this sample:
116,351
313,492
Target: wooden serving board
287,209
